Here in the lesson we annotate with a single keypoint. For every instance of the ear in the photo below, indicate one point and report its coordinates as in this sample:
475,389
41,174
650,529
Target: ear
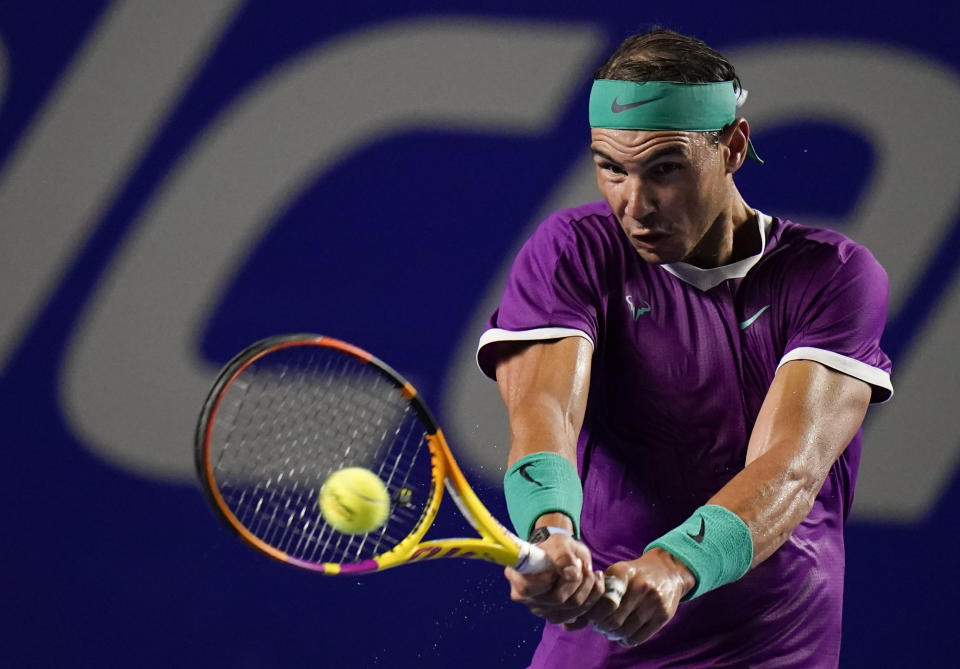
735,137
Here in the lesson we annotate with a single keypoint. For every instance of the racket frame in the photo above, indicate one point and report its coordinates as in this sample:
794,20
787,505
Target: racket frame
495,543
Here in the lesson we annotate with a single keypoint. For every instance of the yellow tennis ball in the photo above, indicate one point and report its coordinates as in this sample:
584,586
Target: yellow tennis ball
354,500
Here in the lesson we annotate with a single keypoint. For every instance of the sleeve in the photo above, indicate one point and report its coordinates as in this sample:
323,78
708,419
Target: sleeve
552,292
841,322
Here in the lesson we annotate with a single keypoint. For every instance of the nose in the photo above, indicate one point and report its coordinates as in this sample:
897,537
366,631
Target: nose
639,200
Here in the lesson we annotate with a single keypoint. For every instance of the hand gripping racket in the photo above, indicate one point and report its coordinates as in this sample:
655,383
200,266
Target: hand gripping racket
289,411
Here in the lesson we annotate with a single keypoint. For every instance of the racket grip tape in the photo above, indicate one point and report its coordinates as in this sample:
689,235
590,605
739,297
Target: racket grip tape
532,560
614,589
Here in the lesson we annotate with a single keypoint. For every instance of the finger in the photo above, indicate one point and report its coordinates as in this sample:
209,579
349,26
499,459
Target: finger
575,607
584,554
625,632
644,632
564,613
609,636
551,590
569,582
640,615
577,602
585,597
596,590
591,591
528,586
576,624
635,610
622,596
567,554
572,572
601,610
614,589
559,615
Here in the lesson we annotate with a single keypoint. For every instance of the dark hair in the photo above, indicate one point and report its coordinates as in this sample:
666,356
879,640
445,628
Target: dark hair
665,55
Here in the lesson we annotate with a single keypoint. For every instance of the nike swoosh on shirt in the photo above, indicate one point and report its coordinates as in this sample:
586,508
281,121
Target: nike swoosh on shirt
698,537
618,108
747,323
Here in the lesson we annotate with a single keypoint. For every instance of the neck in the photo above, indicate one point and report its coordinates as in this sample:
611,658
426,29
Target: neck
731,238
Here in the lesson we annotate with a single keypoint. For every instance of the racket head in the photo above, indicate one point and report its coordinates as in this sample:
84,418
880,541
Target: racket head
290,410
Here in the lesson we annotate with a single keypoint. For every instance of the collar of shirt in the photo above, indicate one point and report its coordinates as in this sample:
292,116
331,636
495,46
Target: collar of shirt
705,279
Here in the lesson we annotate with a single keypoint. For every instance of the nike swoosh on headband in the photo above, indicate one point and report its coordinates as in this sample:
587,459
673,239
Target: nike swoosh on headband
698,107
618,108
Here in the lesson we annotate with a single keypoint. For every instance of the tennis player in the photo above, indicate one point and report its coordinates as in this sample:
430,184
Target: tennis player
686,379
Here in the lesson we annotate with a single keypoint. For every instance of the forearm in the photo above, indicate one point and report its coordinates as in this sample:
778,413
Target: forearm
544,387
541,422
809,416
772,497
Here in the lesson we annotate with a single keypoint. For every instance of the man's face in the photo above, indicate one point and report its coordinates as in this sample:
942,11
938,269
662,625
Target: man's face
667,188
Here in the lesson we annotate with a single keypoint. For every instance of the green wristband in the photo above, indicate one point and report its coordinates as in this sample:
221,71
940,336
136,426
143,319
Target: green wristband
542,483
714,543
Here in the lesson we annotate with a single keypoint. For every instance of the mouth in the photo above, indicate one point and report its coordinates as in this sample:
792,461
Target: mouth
649,240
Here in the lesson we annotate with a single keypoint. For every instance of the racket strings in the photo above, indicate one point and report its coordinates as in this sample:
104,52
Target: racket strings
294,417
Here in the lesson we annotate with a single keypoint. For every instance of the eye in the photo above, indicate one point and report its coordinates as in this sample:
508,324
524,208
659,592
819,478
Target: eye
607,166
665,169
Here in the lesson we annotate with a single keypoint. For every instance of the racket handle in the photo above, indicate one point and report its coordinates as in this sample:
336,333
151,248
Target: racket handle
532,560
614,589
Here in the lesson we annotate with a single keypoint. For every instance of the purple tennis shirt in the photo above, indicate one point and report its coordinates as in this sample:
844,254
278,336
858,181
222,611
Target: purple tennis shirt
682,360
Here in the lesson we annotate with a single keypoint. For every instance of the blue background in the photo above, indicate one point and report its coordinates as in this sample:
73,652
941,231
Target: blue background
104,567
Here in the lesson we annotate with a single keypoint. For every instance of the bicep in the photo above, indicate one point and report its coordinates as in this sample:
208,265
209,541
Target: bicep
544,386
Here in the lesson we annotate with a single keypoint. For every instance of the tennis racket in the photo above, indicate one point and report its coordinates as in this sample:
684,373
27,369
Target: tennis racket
289,411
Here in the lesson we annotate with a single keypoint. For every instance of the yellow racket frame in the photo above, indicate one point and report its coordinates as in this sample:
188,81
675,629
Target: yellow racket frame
495,543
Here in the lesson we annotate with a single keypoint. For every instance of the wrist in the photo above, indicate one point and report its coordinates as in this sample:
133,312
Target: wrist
686,581
555,519
715,545
542,484
544,532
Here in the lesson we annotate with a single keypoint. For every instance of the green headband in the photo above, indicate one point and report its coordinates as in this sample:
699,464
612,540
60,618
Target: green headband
665,105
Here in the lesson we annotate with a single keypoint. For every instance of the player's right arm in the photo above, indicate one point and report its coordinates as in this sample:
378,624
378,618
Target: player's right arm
544,386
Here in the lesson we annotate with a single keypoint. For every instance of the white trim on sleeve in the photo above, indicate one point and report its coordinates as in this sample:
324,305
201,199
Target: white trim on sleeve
495,335
876,377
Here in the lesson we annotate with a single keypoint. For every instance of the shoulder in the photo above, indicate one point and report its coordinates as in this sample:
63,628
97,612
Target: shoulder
823,251
593,218
585,229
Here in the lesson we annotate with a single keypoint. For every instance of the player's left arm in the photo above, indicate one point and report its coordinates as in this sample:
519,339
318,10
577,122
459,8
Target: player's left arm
809,415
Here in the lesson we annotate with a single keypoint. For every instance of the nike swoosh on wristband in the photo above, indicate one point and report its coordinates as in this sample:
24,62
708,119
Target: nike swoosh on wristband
618,108
698,537
522,470
747,323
